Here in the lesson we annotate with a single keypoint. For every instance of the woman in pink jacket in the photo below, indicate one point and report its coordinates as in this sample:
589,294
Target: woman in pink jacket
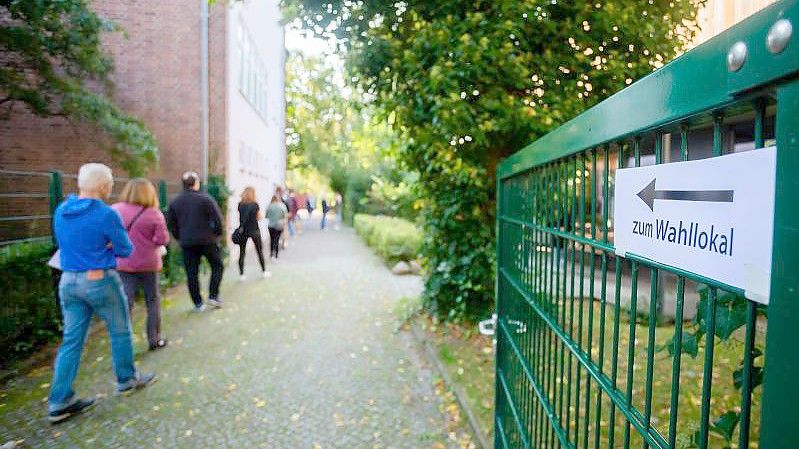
147,229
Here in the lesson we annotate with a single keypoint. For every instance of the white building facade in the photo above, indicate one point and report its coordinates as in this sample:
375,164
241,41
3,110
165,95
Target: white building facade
255,101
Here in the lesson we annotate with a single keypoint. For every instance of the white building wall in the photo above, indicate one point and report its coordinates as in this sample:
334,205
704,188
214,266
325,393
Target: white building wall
256,101
718,15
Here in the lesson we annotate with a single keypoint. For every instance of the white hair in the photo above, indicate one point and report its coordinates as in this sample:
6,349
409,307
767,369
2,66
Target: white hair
93,176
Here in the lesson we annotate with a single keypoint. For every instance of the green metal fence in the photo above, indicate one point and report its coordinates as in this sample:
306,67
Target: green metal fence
599,350
29,198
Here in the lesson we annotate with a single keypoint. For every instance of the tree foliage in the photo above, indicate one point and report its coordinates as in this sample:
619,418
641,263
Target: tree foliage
470,82
329,131
53,62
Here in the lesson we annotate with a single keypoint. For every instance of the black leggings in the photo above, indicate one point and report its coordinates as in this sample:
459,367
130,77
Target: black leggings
274,241
259,249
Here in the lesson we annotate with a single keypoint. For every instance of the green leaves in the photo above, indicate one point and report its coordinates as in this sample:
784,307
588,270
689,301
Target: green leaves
689,344
468,83
725,424
730,314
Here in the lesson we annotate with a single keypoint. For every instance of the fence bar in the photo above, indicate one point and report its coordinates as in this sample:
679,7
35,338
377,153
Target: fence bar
707,376
631,346
56,192
780,415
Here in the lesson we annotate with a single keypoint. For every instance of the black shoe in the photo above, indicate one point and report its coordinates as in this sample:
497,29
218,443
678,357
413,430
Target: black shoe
64,414
161,343
141,381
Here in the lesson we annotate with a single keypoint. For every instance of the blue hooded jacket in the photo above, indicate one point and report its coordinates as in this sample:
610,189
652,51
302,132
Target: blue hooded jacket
90,235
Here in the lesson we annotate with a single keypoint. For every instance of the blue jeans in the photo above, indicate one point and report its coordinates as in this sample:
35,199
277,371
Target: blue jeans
80,300
290,225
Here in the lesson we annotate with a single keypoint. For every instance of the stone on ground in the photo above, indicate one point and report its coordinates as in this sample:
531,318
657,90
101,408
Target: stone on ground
401,268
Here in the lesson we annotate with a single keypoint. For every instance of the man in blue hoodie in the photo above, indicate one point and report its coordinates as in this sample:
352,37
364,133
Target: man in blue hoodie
90,237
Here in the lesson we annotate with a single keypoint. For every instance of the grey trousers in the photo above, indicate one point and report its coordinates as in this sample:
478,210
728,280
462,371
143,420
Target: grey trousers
148,281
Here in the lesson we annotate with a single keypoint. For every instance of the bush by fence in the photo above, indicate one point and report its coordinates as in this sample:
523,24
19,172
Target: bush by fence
29,316
392,238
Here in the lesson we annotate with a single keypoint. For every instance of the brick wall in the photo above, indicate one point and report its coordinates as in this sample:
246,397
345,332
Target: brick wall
157,67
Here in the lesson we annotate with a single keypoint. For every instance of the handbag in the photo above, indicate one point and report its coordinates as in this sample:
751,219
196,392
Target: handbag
238,236
55,260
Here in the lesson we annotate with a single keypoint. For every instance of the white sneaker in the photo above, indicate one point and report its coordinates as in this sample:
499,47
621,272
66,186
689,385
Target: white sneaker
198,309
267,274
242,278
215,303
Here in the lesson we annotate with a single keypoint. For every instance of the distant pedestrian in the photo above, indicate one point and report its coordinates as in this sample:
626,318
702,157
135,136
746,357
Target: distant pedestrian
284,198
293,208
339,208
146,228
196,222
309,204
90,236
325,210
276,215
249,214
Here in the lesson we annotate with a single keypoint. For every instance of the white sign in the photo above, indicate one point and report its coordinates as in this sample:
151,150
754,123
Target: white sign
713,217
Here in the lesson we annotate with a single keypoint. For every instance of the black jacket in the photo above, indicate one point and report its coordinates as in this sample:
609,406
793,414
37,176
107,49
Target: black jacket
194,218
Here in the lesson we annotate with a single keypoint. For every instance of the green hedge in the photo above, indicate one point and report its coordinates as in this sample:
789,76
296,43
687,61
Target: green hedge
29,316
394,239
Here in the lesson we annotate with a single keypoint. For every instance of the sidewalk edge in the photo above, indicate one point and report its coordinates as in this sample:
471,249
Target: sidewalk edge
460,396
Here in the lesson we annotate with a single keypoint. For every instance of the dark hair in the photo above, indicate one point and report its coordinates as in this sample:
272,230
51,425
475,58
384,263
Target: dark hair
189,179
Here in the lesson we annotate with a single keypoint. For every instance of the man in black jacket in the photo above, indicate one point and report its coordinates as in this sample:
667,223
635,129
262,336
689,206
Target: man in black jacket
196,222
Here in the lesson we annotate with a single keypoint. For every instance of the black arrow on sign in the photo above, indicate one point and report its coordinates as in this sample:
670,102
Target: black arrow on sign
648,195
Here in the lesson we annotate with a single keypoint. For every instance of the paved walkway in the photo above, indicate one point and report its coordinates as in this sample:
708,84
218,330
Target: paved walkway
309,358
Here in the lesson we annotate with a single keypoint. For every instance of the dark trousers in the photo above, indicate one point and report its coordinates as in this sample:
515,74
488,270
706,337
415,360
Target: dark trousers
259,250
148,281
192,255
274,241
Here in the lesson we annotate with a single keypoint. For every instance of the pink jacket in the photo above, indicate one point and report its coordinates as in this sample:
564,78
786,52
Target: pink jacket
147,234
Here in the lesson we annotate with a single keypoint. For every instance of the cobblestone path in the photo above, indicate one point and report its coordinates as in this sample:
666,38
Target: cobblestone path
309,358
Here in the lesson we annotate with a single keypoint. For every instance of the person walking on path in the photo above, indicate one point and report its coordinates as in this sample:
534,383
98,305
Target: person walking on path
325,210
293,207
196,222
276,215
146,228
282,193
309,204
249,214
339,209
90,237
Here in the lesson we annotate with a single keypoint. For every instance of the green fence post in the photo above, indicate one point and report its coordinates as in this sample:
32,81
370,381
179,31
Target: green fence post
163,194
163,200
56,195
780,416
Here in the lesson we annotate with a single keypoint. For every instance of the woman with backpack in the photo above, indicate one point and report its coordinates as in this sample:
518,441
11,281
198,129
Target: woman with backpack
147,230
249,214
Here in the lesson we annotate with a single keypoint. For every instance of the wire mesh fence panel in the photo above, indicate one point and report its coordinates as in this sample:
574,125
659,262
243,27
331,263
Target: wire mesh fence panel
598,347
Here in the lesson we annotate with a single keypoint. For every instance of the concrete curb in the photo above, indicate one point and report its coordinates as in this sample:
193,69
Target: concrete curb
460,395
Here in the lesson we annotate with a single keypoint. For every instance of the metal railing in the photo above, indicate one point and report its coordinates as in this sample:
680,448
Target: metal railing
616,350
28,200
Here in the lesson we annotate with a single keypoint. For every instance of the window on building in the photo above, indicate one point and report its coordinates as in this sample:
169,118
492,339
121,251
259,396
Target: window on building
252,71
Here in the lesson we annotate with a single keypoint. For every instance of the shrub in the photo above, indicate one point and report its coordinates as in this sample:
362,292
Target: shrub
29,316
394,239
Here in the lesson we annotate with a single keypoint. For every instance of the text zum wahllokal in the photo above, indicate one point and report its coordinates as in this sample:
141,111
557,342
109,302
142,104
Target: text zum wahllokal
693,235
